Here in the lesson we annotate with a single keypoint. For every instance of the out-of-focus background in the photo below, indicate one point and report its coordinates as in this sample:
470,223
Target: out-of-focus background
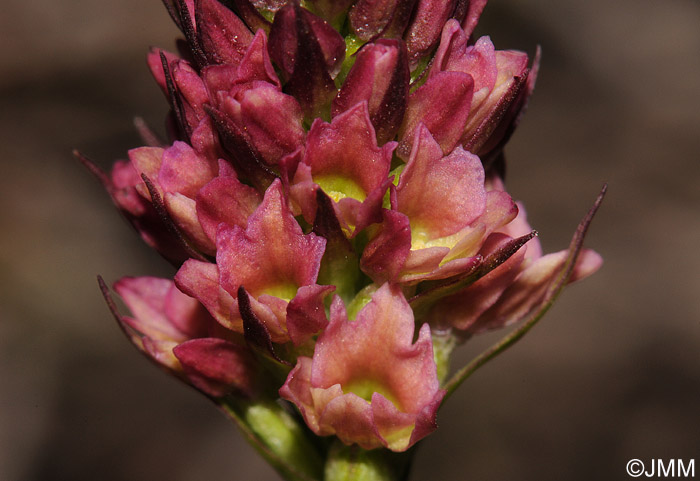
612,373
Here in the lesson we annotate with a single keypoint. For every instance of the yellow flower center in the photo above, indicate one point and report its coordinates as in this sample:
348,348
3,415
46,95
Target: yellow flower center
284,290
338,187
364,388
421,240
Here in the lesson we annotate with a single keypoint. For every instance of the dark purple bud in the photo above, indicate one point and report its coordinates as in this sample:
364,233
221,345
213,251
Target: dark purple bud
381,77
330,10
222,36
309,51
423,34
285,41
471,17
250,15
245,156
370,19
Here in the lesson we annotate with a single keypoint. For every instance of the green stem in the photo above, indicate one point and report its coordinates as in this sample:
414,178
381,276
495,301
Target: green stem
278,437
493,351
352,463
444,343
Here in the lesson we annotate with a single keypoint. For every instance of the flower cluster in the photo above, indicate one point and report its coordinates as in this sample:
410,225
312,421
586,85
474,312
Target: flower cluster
331,196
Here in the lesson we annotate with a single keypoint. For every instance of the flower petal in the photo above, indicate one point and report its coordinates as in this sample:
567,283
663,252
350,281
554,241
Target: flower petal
201,281
139,212
472,15
443,105
183,212
306,314
343,158
255,65
462,310
385,255
225,199
183,171
440,195
346,150
146,298
272,255
218,367
530,288
271,121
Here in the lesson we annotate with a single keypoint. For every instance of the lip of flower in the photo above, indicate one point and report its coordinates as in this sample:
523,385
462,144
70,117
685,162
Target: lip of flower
255,65
269,119
485,90
277,265
181,183
344,160
441,214
367,382
442,104
225,199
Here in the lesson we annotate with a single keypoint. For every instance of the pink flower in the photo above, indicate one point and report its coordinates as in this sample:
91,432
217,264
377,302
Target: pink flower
274,262
367,382
176,332
440,216
502,85
344,160
176,175
512,290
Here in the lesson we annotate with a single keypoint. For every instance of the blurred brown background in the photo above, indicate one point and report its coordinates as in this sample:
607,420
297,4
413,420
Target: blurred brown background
612,373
